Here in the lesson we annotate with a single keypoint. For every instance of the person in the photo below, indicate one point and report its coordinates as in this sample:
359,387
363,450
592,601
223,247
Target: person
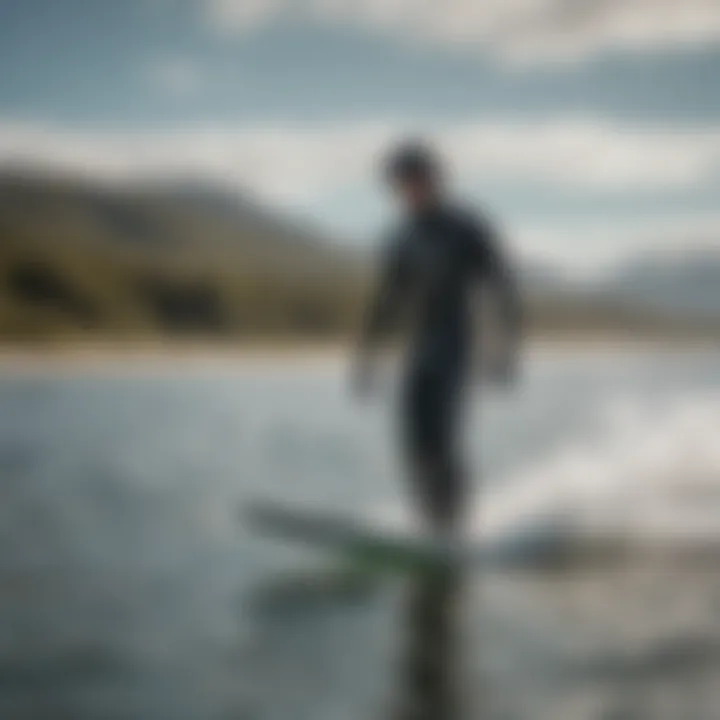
432,267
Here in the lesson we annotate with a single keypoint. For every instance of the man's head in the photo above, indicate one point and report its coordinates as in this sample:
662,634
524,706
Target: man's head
414,171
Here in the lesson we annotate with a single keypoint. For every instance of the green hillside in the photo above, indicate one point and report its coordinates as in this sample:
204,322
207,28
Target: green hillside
82,262
78,261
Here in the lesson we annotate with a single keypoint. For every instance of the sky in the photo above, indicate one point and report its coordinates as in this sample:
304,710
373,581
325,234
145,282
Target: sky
590,129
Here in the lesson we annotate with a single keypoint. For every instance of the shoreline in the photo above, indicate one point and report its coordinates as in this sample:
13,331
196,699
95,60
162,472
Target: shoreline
168,356
178,355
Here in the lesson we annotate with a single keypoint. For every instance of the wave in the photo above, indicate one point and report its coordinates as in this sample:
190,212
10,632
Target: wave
647,482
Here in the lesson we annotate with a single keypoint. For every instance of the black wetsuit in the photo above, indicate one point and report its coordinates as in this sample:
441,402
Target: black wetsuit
432,267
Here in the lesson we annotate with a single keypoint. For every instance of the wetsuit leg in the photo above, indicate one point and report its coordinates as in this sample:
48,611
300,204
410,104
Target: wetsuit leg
431,415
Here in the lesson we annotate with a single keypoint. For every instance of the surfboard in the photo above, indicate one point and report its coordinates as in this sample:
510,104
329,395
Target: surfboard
384,547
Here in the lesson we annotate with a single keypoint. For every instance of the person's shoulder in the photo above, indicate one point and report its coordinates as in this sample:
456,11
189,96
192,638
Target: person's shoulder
398,234
471,221
394,240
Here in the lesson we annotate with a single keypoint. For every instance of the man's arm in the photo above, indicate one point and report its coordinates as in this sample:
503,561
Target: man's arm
495,270
380,314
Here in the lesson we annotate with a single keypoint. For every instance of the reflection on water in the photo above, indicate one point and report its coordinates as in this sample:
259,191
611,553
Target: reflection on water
638,641
129,591
430,672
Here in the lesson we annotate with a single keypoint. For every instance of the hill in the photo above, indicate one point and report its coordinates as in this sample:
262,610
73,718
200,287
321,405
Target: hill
685,284
78,260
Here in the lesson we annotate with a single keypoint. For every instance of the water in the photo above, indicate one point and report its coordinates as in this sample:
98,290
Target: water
128,588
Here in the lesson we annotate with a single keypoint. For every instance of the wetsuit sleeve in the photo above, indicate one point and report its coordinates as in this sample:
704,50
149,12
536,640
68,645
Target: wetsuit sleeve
492,267
384,304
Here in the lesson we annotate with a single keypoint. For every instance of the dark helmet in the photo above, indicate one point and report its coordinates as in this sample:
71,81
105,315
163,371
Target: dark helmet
412,160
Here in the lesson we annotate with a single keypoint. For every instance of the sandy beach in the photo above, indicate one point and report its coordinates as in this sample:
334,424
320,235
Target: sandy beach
169,356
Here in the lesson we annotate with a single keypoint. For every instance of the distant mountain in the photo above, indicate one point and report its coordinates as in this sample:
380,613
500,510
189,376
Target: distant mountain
541,278
240,209
190,259
78,257
679,286
687,284
205,220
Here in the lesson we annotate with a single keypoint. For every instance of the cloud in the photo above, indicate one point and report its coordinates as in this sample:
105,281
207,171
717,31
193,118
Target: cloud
177,77
309,167
295,163
595,246
586,154
516,30
239,15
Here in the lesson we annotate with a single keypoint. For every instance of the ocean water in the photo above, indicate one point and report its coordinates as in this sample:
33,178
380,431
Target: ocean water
130,588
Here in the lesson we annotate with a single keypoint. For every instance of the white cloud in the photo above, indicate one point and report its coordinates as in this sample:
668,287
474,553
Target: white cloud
307,166
587,154
515,29
594,246
177,77
286,163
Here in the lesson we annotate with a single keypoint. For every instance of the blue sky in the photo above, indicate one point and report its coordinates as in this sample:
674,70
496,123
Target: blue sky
591,129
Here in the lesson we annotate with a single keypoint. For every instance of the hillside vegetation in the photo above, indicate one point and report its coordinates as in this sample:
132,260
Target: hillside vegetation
78,262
